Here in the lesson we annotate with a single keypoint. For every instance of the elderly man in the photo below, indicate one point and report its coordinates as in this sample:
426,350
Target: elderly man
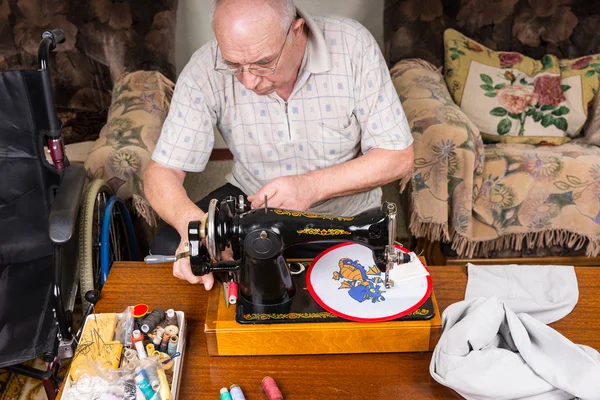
306,106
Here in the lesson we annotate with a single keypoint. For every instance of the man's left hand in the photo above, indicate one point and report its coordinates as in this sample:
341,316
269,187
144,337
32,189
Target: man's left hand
294,192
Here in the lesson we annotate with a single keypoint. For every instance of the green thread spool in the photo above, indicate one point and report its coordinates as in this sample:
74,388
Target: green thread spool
225,394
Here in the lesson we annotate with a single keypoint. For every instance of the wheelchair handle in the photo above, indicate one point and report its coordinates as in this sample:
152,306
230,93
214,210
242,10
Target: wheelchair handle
49,41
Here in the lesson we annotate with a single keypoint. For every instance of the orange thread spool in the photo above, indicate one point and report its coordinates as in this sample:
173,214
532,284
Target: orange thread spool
271,389
136,336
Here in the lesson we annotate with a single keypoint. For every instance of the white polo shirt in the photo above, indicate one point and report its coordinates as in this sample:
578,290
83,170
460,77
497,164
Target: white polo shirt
343,105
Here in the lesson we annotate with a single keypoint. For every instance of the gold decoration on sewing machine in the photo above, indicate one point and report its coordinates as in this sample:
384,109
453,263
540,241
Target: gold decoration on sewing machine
263,317
420,311
311,215
323,232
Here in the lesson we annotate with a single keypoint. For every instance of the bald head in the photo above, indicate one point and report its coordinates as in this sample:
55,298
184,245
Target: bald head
279,12
260,35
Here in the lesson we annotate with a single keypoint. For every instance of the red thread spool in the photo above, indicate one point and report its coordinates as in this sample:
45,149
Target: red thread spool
233,292
271,389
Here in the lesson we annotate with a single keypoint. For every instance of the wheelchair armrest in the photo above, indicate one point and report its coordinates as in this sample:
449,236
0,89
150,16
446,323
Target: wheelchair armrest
63,214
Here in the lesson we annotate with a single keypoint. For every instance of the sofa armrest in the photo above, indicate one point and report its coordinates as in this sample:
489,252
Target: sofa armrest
449,152
140,104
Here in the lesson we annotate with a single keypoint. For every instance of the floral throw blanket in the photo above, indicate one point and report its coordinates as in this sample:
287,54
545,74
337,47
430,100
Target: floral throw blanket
140,103
497,197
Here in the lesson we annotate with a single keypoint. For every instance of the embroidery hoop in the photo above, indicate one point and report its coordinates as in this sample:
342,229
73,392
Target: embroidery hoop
335,302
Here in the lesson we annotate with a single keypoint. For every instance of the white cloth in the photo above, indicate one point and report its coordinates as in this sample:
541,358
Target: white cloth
547,293
408,271
486,351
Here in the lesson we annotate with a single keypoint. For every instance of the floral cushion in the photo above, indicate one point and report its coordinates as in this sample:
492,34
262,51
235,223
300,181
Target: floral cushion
140,103
509,95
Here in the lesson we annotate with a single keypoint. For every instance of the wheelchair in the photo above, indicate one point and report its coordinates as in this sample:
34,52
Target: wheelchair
58,237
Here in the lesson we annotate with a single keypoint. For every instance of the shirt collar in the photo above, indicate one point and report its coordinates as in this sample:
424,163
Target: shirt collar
317,55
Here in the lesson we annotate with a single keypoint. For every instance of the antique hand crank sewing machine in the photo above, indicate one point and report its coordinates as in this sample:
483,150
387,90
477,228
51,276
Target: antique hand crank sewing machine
273,302
274,305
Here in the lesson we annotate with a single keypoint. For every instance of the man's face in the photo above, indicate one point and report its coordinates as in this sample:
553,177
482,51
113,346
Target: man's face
261,45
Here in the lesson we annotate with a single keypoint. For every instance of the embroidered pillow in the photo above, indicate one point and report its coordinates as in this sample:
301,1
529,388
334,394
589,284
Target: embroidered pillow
514,98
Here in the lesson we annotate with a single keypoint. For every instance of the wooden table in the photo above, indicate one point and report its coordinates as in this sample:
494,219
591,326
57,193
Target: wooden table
364,376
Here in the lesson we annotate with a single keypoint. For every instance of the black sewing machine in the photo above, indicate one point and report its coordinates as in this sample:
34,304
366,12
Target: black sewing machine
270,288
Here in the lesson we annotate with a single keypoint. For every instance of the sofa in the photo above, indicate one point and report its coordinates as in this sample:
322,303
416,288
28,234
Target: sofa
481,187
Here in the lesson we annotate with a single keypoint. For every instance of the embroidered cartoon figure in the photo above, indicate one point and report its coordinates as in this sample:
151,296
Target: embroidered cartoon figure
355,278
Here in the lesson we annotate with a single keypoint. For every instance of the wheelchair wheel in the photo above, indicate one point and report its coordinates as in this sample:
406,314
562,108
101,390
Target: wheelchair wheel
95,197
117,237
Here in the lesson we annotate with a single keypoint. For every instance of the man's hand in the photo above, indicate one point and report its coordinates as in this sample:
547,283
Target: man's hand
294,192
183,270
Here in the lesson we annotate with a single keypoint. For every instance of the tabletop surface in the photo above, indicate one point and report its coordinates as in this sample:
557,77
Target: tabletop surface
360,376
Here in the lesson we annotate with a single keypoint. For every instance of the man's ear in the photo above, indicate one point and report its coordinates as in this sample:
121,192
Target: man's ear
297,27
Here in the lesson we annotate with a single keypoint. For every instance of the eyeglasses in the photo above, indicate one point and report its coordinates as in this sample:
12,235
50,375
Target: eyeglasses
259,71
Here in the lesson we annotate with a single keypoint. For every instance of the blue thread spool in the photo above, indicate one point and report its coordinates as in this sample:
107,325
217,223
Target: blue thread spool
236,393
172,346
152,376
225,394
141,380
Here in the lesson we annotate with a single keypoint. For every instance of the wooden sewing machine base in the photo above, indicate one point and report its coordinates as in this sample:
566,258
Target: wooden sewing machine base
227,337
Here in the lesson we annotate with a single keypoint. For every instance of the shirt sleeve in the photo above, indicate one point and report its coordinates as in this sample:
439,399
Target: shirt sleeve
187,137
377,106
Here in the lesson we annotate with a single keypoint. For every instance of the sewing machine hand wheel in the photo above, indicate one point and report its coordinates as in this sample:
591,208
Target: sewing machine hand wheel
214,230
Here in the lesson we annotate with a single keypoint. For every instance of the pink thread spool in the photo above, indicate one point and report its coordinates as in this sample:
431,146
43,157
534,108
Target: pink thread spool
271,389
233,292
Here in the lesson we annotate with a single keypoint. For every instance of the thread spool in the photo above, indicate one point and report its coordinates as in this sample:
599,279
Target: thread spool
172,346
141,380
171,318
165,390
165,342
141,352
152,374
130,354
150,349
157,341
152,320
172,330
160,332
225,394
136,336
233,292
271,390
236,393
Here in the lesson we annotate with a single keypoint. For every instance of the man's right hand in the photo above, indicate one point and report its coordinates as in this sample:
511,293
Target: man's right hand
183,270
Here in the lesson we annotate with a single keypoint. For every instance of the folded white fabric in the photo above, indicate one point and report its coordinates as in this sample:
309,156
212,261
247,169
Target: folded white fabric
486,351
545,292
411,270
